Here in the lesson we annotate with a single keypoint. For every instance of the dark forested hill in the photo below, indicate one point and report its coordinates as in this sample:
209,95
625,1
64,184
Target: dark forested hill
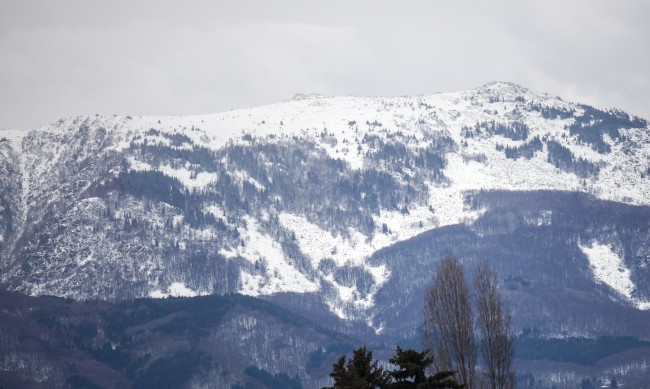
211,341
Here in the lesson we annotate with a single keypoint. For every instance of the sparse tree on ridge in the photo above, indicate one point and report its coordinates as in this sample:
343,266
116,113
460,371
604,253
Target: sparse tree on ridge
448,323
496,343
450,328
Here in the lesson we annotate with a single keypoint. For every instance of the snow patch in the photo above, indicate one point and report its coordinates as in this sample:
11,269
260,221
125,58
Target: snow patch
402,225
541,218
449,207
263,251
217,212
241,176
190,179
139,166
176,289
354,250
86,260
609,269
15,137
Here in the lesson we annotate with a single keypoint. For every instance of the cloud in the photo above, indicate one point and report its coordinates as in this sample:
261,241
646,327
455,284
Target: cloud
79,58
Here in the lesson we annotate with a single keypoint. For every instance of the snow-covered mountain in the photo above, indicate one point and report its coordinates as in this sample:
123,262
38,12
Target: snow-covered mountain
304,201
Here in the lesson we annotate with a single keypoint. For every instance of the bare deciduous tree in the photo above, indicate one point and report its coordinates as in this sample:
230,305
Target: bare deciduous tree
496,341
448,323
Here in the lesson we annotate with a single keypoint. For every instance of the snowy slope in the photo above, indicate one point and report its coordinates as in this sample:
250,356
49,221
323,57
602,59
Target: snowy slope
229,204
418,117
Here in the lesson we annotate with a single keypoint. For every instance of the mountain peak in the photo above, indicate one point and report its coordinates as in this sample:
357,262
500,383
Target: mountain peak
504,86
504,89
307,96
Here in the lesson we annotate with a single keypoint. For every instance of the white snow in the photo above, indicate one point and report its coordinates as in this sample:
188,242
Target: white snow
541,218
608,268
138,166
15,137
176,289
343,121
199,181
318,244
449,207
187,177
216,212
261,250
241,176
86,260
448,113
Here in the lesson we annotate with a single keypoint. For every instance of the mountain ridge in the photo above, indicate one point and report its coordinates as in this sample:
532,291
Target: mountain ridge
294,197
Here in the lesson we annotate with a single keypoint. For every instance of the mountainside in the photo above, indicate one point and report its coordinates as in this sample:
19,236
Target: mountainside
202,342
564,260
238,342
341,204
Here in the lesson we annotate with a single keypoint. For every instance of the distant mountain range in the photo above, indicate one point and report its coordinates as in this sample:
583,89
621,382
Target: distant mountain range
340,208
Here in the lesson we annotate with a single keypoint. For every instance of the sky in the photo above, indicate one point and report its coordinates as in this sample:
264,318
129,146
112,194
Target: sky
84,57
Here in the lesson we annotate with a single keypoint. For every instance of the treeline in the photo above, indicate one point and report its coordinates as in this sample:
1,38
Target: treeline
296,177
562,158
551,112
527,150
595,123
515,131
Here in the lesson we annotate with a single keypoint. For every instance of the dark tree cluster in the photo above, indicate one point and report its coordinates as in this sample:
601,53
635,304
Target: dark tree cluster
562,158
177,139
594,124
527,150
409,372
157,154
550,112
515,131
395,155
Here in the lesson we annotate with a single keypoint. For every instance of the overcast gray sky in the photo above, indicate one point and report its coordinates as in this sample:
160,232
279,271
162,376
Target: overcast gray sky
68,58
